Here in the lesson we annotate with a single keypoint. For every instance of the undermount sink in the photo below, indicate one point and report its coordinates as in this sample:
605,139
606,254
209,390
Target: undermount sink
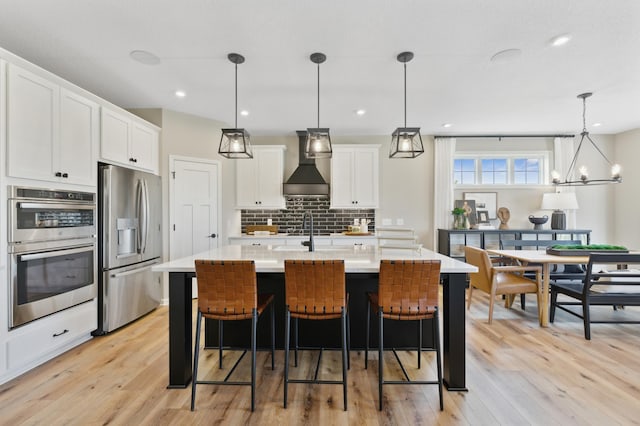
317,248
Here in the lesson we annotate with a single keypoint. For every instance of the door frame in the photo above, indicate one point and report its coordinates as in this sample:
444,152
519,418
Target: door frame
172,160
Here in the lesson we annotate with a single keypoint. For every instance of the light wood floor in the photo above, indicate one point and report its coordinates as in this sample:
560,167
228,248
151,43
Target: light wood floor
517,373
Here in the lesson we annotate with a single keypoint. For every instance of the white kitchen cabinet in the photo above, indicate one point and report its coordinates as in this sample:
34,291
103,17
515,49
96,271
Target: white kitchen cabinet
259,180
128,142
354,241
51,132
354,177
257,241
45,338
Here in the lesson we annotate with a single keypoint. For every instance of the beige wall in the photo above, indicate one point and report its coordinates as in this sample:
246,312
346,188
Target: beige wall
626,224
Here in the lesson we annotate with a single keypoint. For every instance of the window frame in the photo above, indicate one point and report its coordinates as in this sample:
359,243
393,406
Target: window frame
510,156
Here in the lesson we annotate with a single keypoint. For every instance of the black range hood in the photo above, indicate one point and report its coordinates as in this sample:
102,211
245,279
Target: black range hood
306,179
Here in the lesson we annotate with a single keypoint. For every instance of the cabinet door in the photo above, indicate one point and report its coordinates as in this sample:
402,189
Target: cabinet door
365,178
144,147
78,139
114,141
342,179
270,171
246,182
32,124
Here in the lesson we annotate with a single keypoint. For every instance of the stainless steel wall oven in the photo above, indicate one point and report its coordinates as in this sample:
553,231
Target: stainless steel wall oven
52,251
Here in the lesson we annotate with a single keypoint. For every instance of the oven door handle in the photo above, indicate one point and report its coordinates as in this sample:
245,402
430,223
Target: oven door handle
35,256
62,206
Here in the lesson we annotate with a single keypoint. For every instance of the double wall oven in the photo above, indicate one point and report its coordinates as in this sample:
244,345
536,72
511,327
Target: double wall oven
52,251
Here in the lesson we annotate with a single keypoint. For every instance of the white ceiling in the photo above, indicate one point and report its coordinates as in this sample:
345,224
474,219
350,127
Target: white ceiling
450,80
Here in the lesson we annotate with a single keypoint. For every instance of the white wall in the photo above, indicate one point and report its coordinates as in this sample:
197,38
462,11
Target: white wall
626,205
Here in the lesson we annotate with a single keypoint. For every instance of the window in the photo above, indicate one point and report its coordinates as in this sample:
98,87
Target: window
502,169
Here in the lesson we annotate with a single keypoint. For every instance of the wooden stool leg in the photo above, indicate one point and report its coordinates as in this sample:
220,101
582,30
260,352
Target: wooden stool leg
295,341
380,355
419,341
344,357
254,324
366,338
220,342
273,336
436,343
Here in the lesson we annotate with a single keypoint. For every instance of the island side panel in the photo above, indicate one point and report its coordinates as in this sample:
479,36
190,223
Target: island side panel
454,347
180,329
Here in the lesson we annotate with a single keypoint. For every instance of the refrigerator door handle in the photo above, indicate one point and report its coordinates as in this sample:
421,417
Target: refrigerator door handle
145,215
139,214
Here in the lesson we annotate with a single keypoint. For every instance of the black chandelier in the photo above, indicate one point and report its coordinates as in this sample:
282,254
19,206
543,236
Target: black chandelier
235,143
570,178
406,142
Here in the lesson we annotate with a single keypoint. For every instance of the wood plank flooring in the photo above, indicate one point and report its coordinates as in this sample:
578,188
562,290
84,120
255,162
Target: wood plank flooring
517,373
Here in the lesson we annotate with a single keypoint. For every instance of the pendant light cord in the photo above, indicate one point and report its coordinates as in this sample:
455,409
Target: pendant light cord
405,95
236,109
318,95
584,115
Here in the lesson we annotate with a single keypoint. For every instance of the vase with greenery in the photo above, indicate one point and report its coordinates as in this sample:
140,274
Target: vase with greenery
458,218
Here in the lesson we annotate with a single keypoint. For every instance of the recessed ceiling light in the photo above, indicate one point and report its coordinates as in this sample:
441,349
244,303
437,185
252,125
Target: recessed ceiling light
446,125
560,40
244,113
360,112
180,93
144,57
506,55
597,124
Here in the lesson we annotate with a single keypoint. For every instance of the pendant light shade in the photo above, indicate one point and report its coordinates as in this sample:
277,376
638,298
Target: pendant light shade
406,142
235,143
318,140
572,178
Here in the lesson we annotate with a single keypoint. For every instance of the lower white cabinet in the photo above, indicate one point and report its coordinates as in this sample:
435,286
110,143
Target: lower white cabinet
266,241
42,339
354,241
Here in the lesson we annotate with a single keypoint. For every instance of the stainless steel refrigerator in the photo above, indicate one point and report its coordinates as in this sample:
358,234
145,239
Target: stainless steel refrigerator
129,244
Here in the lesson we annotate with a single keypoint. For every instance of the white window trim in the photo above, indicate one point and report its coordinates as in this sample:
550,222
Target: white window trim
511,155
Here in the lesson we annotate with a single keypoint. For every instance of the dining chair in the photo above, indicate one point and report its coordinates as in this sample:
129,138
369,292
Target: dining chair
407,291
315,290
227,291
506,280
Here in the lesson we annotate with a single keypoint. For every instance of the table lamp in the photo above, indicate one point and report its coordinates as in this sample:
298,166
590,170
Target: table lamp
558,202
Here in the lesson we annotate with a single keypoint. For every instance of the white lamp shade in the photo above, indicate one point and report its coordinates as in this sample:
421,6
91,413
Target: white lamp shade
559,201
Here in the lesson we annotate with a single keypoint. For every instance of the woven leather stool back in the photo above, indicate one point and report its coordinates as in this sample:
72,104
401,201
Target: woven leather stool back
226,288
315,287
408,287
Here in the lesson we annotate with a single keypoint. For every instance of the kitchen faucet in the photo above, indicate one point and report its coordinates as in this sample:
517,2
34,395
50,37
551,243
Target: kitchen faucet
304,225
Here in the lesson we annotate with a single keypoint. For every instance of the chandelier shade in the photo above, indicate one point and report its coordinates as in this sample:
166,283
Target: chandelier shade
318,139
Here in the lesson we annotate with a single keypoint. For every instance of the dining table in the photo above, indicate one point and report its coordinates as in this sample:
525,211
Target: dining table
544,259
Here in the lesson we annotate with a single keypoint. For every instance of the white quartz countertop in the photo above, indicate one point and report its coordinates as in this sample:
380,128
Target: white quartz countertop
358,259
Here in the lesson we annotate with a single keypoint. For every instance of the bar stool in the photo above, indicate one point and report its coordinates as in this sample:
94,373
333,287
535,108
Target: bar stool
315,290
407,291
227,291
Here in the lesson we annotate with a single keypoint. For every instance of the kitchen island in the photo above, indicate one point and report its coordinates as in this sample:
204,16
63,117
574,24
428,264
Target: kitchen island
361,268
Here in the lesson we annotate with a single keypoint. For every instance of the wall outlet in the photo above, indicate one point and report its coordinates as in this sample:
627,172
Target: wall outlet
400,221
387,222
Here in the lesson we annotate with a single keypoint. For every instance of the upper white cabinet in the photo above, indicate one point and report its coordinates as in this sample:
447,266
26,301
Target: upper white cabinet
128,142
259,180
354,177
51,132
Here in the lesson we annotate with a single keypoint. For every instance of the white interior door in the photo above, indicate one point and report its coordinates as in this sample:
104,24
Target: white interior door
195,207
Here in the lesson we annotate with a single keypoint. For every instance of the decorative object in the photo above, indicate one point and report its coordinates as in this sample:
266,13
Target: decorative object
406,142
318,139
469,206
538,221
483,216
504,215
569,179
458,218
558,202
235,143
484,201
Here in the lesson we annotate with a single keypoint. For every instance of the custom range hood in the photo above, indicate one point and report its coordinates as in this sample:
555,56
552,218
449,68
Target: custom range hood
306,179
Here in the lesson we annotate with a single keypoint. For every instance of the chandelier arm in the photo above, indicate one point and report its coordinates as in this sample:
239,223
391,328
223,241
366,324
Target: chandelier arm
599,151
574,160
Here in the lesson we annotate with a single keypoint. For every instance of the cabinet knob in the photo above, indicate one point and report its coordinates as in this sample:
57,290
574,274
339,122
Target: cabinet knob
212,236
133,160
58,174
65,175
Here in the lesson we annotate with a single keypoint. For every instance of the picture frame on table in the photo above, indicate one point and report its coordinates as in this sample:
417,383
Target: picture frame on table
469,206
487,201
483,216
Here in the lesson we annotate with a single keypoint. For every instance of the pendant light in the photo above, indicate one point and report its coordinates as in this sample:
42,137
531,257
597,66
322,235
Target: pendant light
569,179
235,143
318,140
406,142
